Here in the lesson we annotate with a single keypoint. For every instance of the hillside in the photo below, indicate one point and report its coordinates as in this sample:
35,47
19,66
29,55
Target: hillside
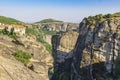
50,20
7,20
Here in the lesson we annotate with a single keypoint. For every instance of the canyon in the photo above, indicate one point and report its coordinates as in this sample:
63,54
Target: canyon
88,52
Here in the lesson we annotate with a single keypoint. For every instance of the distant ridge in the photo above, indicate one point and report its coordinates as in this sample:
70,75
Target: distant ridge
50,20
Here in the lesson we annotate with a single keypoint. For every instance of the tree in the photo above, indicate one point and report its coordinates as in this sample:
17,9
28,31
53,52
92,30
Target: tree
99,17
12,31
108,16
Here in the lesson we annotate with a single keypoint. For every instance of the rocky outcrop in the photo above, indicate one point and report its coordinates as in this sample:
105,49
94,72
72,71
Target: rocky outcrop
13,70
103,38
58,26
36,69
96,50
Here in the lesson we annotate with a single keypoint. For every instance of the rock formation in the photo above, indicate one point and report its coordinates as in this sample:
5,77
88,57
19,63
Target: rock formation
11,69
97,48
56,25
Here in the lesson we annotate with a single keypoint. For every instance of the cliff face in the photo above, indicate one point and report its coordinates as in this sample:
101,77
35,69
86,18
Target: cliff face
97,48
103,37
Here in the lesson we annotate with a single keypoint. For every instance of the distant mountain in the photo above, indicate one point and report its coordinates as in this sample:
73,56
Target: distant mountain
49,21
56,25
7,20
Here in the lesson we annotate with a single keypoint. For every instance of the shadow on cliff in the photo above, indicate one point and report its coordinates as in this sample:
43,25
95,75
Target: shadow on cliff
67,65
99,71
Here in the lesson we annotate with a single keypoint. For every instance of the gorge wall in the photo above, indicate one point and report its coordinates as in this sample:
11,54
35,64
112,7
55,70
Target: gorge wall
95,53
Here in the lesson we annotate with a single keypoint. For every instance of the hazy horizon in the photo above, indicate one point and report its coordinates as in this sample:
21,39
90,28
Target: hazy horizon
64,10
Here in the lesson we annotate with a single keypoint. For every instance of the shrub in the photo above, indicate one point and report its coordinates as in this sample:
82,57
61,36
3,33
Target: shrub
22,56
108,16
11,34
0,31
99,17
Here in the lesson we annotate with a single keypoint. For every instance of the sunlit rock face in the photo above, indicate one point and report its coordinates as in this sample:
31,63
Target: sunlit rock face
98,43
105,39
12,69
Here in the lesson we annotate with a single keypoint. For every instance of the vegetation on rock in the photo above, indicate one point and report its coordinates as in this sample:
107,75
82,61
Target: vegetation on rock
22,56
11,34
39,36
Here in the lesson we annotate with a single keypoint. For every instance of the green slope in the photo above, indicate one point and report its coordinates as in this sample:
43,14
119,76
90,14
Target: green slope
7,20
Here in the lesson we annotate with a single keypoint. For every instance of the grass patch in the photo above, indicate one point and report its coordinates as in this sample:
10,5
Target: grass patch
22,56
49,32
7,20
31,31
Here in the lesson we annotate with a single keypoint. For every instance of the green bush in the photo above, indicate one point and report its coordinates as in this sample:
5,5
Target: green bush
0,31
108,16
11,34
99,17
22,56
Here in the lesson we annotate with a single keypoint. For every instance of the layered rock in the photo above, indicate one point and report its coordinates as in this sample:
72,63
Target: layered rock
97,46
36,69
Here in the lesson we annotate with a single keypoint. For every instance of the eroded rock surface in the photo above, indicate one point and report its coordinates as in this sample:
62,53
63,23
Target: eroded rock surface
95,52
36,69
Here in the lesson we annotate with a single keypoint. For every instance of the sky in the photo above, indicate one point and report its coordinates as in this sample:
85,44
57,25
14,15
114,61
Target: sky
65,10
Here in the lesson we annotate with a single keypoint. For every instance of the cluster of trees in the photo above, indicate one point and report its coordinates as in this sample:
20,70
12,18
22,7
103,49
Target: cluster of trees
99,18
10,33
